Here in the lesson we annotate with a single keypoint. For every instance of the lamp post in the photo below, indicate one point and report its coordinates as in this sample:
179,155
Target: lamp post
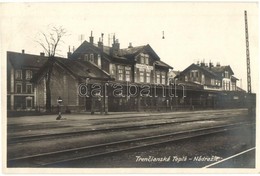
59,101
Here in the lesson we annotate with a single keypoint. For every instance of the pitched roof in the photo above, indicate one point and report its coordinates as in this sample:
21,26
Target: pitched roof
213,71
81,49
130,51
240,89
83,69
20,60
204,69
123,55
163,64
220,69
234,78
133,51
189,85
79,69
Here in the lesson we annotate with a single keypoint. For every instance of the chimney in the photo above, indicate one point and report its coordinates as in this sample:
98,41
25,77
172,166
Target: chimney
42,53
69,53
115,46
91,39
130,45
100,44
202,63
23,51
218,64
211,65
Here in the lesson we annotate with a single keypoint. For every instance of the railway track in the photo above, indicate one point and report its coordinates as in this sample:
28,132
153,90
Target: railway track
175,121
57,158
140,117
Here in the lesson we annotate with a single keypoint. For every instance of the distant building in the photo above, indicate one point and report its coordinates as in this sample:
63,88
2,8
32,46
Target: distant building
212,77
172,75
21,67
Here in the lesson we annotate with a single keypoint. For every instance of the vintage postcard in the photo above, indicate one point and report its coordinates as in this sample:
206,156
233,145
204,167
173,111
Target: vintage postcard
127,87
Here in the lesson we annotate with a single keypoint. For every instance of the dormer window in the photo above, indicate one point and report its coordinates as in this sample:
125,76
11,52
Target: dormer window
194,74
144,58
91,59
86,57
226,74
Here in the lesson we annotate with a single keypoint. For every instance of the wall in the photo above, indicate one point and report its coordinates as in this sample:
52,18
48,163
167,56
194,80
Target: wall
63,85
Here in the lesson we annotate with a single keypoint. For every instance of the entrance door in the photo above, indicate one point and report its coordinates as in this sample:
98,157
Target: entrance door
28,102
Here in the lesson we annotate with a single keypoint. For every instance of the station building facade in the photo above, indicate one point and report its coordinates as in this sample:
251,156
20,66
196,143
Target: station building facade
89,64
218,78
114,70
139,65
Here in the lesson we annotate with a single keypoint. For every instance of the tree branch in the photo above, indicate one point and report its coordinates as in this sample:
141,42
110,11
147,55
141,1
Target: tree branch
52,40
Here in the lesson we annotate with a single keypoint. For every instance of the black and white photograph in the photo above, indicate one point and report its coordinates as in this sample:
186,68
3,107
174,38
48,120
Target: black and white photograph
129,87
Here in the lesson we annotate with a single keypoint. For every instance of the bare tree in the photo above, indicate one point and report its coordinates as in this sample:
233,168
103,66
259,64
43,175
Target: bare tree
50,42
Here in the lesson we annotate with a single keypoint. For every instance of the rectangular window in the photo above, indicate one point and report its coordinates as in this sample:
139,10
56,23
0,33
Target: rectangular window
127,75
194,73
112,69
186,78
213,82
146,56
28,74
202,79
86,57
197,74
142,60
18,74
99,60
158,78
163,78
226,74
141,76
148,77
120,75
18,88
91,58
29,88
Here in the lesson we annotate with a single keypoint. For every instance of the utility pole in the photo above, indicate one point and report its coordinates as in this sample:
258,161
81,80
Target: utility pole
251,99
247,57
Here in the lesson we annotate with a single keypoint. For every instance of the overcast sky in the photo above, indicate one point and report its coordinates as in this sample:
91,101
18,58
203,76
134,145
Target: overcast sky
193,31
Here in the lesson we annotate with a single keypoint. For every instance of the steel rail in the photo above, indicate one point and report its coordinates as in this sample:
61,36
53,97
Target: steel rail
64,156
153,115
30,138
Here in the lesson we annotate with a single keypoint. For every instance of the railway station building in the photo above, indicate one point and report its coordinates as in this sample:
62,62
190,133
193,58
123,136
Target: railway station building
99,78
219,78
